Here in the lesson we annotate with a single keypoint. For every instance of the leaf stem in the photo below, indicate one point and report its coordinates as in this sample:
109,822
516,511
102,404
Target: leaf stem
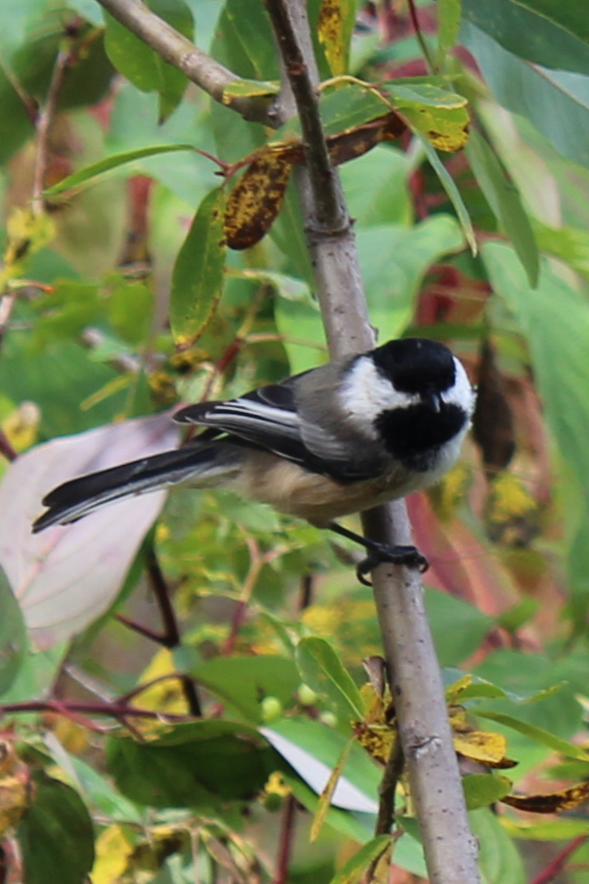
420,38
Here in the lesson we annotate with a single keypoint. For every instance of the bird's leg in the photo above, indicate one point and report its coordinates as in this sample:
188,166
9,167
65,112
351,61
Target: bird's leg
381,552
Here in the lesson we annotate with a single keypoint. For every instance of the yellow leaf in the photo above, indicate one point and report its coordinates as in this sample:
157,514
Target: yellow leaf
454,690
15,787
448,494
486,747
163,696
510,499
22,425
327,793
445,128
14,798
552,802
257,199
27,233
330,29
113,852
276,785
378,731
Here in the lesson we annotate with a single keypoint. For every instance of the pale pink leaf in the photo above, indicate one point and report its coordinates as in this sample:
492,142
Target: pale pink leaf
67,576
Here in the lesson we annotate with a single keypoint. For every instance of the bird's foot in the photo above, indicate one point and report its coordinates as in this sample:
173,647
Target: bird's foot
397,555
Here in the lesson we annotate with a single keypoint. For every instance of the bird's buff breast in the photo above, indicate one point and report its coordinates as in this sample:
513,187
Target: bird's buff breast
297,492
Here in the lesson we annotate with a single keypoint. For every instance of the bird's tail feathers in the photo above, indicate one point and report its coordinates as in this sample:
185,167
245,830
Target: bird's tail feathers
205,465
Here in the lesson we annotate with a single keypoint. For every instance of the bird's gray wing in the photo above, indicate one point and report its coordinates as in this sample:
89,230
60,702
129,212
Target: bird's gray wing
270,417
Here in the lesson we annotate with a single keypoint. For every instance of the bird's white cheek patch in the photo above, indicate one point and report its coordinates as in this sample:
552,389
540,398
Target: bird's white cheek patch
461,393
365,393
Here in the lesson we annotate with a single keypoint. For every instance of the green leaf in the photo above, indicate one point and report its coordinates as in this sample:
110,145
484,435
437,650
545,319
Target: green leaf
99,793
556,102
376,187
554,318
59,377
243,682
475,691
441,117
341,109
56,834
142,65
354,868
538,734
197,280
458,628
112,162
499,859
244,41
415,94
15,124
325,744
449,13
542,688
36,674
201,764
322,669
290,287
570,244
13,637
551,830
480,790
546,33
501,194
394,260
358,826
452,191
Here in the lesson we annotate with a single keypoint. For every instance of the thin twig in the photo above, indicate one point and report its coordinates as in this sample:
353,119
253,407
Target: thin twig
6,448
420,38
387,789
285,841
43,126
171,637
557,864
112,710
331,211
29,103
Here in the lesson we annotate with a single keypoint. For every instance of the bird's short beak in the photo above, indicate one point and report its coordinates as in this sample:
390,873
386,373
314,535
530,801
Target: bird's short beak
434,401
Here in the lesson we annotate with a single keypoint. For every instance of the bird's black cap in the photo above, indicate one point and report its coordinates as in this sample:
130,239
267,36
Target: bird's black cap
416,364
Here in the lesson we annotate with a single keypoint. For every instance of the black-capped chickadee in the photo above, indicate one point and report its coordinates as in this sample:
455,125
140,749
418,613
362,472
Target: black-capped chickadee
338,439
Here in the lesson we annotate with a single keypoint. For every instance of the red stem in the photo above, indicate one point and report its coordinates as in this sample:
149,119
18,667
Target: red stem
286,840
115,710
6,448
557,864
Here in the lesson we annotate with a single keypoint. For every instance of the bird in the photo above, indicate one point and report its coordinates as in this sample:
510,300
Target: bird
338,439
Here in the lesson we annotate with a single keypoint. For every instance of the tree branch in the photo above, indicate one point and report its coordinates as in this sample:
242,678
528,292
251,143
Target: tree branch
181,52
328,227
450,849
420,706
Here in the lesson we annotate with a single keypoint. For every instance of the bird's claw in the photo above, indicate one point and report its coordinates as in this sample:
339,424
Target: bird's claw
397,555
